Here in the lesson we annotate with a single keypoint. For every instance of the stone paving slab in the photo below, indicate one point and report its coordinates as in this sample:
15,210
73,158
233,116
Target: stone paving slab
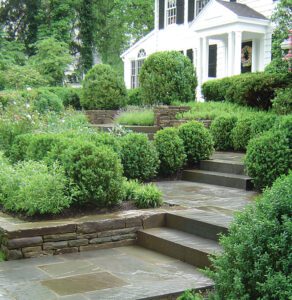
123,273
222,200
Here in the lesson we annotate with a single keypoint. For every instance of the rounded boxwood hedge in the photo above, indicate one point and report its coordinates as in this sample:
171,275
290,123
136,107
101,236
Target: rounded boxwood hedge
166,77
171,151
139,157
241,134
268,156
198,142
282,103
221,130
95,172
256,259
103,89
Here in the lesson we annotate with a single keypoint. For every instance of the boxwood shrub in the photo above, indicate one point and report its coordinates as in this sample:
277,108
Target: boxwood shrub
139,157
284,125
34,188
215,90
166,77
95,172
256,258
255,89
171,151
268,156
103,89
282,103
221,130
241,133
134,97
198,142
261,123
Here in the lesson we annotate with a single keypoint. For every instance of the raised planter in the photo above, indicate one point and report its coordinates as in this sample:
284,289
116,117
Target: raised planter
26,239
101,116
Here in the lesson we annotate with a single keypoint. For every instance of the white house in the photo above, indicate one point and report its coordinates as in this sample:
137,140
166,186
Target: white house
222,38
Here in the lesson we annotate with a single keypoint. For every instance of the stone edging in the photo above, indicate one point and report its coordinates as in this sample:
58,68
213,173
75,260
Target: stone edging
76,237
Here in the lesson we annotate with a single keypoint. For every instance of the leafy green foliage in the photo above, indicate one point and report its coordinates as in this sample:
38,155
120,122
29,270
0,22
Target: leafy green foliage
135,97
256,261
221,130
285,125
136,116
261,123
190,295
255,89
268,156
215,90
139,157
198,142
167,76
282,103
241,134
95,172
33,188
171,152
51,60
103,89
129,188
45,101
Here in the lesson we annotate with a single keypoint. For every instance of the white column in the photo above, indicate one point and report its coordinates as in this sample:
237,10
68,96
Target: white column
156,15
205,58
230,53
199,68
186,13
237,52
254,66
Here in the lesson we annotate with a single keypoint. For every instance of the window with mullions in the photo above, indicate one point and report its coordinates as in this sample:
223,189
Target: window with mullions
136,66
171,11
200,4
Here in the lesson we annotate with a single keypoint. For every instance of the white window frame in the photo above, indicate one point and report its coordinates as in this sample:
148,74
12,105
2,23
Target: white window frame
170,12
136,66
198,7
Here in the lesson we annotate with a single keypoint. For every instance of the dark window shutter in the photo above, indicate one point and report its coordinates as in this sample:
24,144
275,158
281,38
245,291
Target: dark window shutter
191,10
180,18
212,70
190,55
161,14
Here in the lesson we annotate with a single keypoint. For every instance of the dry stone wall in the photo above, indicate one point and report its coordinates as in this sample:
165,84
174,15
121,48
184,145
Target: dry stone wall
72,238
101,116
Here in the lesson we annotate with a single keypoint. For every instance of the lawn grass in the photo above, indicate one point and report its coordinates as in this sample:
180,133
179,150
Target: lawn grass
136,116
211,110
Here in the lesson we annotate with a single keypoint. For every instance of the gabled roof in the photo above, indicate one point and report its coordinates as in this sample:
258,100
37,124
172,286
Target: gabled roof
242,10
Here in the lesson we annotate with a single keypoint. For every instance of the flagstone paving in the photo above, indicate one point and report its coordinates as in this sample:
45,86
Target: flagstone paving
122,273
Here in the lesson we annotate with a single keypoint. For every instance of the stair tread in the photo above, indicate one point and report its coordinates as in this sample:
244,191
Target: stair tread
204,216
184,239
229,175
223,161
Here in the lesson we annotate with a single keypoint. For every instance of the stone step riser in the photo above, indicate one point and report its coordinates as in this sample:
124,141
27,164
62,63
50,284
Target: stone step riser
222,167
195,227
215,179
189,255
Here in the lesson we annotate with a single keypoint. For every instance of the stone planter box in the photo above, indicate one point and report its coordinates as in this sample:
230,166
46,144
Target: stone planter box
27,240
165,116
101,116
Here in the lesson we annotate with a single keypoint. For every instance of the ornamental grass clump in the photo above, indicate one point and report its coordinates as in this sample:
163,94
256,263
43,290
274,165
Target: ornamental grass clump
256,258
171,151
198,142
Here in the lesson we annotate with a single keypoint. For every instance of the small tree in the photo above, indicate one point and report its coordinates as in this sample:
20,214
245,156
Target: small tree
51,60
166,77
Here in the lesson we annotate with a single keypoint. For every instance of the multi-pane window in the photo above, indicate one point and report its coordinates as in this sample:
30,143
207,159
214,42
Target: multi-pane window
171,11
200,4
136,66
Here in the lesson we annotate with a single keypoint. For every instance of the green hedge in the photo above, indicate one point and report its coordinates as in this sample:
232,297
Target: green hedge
282,103
215,90
166,77
256,259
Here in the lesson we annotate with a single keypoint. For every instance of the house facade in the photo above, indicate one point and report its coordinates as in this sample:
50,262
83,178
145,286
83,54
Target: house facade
222,38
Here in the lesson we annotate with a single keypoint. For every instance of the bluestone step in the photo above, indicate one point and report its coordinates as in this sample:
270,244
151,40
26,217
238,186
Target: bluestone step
222,166
218,178
184,246
201,223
